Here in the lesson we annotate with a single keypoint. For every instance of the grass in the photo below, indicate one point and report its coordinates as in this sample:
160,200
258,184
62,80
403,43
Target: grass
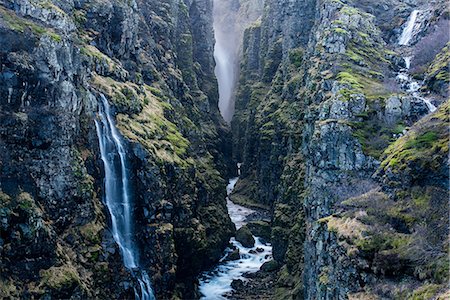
21,25
61,277
426,144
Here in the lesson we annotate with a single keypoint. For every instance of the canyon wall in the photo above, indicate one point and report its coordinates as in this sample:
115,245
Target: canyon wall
352,165
153,60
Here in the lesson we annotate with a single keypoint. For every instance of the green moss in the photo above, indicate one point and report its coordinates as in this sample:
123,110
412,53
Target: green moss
424,140
350,79
79,16
91,232
340,31
426,144
5,199
375,135
324,277
25,201
439,68
353,56
9,290
378,241
296,57
20,24
425,292
57,278
348,10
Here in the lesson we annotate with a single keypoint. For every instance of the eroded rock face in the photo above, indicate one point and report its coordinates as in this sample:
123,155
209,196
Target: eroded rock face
317,107
153,61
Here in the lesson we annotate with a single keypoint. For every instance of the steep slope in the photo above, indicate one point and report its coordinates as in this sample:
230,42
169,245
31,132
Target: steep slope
153,60
318,104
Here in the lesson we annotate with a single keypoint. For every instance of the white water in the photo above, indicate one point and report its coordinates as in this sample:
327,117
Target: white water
216,284
409,30
411,86
403,77
118,196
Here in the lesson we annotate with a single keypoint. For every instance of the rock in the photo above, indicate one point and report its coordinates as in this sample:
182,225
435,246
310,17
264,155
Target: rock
270,266
260,229
245,237
235,255
237,284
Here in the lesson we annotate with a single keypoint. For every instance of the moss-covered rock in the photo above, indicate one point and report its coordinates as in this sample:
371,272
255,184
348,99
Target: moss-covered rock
62,279
438,73
245,237
260,229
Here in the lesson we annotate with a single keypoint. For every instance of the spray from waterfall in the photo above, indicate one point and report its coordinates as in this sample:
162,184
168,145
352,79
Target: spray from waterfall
118,197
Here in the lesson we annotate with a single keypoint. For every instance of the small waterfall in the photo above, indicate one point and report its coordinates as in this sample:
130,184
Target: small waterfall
118,195
411,86
407,82
408,31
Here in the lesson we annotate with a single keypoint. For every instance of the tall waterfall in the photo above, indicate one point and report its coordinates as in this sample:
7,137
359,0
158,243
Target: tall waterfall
226,51
408,31
118,197
231,18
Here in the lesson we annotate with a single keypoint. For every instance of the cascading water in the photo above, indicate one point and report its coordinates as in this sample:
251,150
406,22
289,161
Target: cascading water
216,284
408,31
118,195
404,78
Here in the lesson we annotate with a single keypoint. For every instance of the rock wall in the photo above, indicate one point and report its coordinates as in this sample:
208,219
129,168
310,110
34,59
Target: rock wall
318,107
153,61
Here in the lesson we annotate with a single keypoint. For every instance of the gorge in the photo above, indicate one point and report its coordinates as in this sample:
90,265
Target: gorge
122,122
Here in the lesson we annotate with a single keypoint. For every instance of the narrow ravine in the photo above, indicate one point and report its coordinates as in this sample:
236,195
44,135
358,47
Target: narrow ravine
118,197
216,283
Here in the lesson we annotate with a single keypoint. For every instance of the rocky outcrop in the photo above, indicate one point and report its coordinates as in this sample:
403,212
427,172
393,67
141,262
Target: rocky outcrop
153,61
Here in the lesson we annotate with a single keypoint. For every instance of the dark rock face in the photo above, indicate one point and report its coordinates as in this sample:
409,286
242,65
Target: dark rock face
318,110
153,60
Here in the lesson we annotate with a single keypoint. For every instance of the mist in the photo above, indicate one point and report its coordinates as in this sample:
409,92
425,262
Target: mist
230,20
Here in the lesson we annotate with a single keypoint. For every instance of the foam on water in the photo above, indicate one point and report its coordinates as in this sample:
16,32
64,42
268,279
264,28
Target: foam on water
216,284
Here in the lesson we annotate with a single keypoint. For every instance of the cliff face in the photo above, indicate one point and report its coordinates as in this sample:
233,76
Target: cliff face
319,112
153,61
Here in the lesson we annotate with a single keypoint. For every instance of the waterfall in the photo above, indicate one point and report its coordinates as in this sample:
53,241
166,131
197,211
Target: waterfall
408,31
226,52
411,86
118,197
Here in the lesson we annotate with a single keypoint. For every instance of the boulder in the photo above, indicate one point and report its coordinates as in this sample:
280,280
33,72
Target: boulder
235,255
260,229
245,237
270,266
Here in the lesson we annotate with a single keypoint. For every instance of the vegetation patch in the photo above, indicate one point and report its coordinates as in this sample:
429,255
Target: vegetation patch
57,278
20,24
425,145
